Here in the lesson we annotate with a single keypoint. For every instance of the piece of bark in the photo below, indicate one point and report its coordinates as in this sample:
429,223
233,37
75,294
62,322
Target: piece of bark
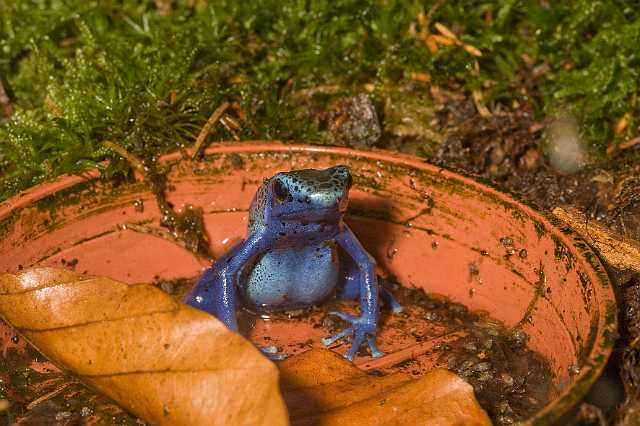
620,254
164,361
321,388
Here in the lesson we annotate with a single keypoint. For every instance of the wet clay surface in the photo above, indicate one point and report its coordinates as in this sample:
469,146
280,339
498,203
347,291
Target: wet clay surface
511,381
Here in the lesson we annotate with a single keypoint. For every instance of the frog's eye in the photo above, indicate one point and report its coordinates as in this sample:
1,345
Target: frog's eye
280,191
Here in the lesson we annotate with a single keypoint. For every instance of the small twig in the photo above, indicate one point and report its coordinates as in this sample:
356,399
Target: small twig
48,396
446,32
202,136
613,148
479,103
7,107
432,12
452,38
135,163
231,125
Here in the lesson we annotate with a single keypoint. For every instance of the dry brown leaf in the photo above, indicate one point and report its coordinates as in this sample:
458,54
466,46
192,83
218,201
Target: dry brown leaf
164,361
321,388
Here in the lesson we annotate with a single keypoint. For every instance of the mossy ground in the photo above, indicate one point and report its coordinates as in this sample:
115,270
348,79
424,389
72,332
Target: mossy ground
147,74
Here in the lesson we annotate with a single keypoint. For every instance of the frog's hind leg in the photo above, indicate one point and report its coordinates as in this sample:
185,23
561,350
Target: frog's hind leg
349,284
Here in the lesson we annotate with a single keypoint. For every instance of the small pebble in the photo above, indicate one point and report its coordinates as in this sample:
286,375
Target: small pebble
431,316
467,365
167,287
86,411
518,337
507,379
295,313
505,420
63,415
270,349
466,373
473,269
485,376
328,323
503,407
483,366
138,205
471,347
506,241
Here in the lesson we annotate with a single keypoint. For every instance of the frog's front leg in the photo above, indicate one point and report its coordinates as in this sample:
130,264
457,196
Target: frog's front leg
216,291
349,285
365,326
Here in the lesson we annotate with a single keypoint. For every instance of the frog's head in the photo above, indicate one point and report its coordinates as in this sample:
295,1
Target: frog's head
309,195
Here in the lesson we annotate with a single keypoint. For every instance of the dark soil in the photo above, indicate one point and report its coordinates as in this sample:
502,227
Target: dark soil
47,396
511,149
511,382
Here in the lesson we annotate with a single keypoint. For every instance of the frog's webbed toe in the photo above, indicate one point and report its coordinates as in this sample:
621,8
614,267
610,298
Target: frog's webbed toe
361,330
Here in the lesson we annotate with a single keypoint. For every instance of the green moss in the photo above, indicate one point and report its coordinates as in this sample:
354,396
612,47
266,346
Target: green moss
81,72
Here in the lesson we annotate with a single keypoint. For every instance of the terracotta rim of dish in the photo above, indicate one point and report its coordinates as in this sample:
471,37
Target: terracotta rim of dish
607,324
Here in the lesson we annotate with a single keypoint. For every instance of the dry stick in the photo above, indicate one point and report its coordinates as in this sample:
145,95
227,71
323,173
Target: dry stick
612,149
5,101
137,164
432,11
225,120
207,127
50,395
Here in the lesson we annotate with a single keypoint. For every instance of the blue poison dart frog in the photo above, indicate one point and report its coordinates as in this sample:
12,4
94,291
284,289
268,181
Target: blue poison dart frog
298,253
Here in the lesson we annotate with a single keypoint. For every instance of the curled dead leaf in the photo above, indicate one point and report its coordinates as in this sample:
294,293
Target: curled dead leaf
164,361
323,389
